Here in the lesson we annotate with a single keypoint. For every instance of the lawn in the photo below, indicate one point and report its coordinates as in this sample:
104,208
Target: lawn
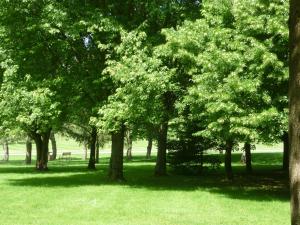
69,194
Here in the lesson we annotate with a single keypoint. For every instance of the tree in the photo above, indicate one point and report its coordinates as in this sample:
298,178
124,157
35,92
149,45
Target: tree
97,151
266,21
116,160
28,150
53,145
229,69
5,150
93,37
145,91
248,158
92,143
294,104
147,18
149,147
32,92
128,138
286,151
34,113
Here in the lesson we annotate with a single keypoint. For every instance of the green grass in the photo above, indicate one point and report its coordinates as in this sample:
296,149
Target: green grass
69,194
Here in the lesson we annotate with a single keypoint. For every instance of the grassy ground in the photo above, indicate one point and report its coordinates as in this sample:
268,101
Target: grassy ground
69,194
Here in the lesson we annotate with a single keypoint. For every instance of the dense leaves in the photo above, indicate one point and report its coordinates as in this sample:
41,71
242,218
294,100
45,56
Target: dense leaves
214,72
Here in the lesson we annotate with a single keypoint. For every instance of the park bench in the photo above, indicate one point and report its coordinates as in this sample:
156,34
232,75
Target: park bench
65,155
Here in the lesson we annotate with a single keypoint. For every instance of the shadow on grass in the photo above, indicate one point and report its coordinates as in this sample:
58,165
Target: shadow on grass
267,184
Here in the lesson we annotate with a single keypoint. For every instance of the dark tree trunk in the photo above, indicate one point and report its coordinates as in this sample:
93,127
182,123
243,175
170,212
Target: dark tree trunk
42,149
168,99
93,140
116,160
247,148
54,146
45,148
6,151
286,152
97,150
228,167
129,145
294,111
38,143
28,151
161,160
149,147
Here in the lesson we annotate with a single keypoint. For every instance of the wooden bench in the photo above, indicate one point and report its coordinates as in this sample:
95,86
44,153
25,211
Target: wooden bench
66,155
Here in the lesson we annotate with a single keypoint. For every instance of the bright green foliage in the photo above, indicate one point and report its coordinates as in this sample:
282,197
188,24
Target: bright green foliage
226,72
33,109
32,81
267,22
229,70
59,58
142,81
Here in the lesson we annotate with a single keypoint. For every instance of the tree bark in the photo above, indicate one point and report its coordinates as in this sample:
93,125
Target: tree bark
6,151
228,167
129,145
161,160
54,146
294,111
38,143
149,147
116,159
247,148
45,148
42,149
92,143
28,151
286,152
97,150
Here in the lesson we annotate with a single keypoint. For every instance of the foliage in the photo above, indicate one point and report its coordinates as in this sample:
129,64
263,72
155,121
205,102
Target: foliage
185,157
31,79
142,81
229,70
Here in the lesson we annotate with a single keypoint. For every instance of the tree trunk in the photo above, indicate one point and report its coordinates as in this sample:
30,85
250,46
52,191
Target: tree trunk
228,167
247,148
6,151
42,150
285,159
116,160
161,161
38,144
294,111
97,150
54,146
129,146
85,149
149,147
93,140
28,151
45,148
